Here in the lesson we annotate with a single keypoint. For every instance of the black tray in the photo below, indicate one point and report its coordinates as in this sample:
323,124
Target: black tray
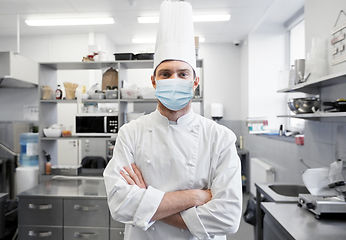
124,56
145,56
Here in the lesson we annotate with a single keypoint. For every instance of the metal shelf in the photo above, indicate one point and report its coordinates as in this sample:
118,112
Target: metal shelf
151,100
128,64
58,101
314,85
327,116
77,138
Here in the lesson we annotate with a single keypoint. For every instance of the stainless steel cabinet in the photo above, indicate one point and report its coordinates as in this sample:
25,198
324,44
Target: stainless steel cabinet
40,232
72,233
66,219
117,234
80,212
46,211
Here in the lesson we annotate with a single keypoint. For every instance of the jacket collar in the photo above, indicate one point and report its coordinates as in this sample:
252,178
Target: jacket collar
183,120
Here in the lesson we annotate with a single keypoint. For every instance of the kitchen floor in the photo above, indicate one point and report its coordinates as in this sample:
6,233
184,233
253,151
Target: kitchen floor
246,231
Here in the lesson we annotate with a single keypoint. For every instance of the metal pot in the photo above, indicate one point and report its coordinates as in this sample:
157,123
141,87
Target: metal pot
304,105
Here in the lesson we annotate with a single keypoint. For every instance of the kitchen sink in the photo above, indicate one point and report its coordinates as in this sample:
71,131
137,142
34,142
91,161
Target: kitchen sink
289,190
281,192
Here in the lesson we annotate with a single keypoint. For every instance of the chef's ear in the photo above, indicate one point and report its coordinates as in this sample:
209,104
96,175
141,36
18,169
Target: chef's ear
153,82
195,83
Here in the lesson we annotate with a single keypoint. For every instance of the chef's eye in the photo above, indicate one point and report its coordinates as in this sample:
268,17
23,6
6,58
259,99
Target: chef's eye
164,75
183,75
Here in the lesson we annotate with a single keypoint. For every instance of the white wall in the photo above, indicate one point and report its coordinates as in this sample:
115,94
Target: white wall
244,85
266,59
320,18
222,78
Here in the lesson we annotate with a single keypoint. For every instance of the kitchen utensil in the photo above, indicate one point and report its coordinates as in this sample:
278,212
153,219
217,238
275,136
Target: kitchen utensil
299,66
303,105
337,106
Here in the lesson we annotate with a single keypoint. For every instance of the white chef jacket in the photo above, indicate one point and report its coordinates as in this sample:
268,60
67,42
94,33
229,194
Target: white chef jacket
194,153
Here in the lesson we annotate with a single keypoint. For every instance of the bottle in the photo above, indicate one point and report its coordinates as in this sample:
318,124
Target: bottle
48,164
241,142
28,149
58,93
291,77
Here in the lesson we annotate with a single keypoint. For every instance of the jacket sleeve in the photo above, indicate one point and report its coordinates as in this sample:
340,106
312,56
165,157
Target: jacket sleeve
222,214
128,204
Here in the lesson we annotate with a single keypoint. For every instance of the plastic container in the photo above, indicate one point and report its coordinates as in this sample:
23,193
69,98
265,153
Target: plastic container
28,149
99,95
145,56
129,93
111,94
124,56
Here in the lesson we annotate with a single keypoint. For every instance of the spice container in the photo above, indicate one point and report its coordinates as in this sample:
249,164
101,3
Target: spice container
67,132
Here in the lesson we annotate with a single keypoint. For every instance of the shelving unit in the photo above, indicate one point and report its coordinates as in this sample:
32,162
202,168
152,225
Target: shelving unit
317,86
314,85
48,108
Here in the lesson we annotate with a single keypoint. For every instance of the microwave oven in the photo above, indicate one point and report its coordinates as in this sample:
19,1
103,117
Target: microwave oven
96,124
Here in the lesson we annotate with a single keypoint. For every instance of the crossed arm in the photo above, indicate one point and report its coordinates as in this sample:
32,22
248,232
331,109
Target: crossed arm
173,202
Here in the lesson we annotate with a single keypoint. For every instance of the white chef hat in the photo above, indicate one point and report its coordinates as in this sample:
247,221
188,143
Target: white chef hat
175,36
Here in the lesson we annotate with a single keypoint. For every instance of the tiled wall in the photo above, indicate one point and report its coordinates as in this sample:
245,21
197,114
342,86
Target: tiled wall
319,149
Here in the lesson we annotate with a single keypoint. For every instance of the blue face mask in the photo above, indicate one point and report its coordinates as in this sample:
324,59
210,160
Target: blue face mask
174,94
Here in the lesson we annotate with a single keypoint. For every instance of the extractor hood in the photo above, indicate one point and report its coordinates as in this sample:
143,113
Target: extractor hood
17,71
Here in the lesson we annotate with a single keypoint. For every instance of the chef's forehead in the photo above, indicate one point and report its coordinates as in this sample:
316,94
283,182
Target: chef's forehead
173,65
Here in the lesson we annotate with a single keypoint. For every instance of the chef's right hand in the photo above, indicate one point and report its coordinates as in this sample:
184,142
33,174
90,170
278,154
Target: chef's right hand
203,196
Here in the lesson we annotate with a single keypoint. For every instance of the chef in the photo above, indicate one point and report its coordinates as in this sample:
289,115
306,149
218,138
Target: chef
174,174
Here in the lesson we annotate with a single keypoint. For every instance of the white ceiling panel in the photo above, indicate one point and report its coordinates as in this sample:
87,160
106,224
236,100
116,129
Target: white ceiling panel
245,14
50,6
14,7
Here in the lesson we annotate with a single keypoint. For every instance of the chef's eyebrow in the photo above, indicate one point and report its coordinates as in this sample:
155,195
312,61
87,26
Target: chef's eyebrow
179,70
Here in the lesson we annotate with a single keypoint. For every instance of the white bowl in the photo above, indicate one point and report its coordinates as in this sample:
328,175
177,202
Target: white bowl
49,132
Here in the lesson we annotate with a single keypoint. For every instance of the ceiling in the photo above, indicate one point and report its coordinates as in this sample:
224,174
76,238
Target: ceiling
245,15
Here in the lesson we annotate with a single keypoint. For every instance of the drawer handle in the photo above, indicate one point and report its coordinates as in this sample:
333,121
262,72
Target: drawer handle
41,206
40,234
86,208
85,235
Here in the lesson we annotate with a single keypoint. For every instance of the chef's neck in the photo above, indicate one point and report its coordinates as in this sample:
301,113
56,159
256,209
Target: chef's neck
173,115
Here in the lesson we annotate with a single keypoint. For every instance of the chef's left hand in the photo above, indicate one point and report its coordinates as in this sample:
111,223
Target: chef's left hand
133,177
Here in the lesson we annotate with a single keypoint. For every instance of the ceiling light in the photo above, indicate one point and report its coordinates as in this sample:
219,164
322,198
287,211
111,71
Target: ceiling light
196,18
201,39
144,40
69,22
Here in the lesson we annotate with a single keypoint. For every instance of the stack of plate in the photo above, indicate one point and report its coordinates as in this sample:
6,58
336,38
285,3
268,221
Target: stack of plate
133,115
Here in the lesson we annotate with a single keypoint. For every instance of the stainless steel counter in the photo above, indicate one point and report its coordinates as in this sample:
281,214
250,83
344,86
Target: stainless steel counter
83,188
300,224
